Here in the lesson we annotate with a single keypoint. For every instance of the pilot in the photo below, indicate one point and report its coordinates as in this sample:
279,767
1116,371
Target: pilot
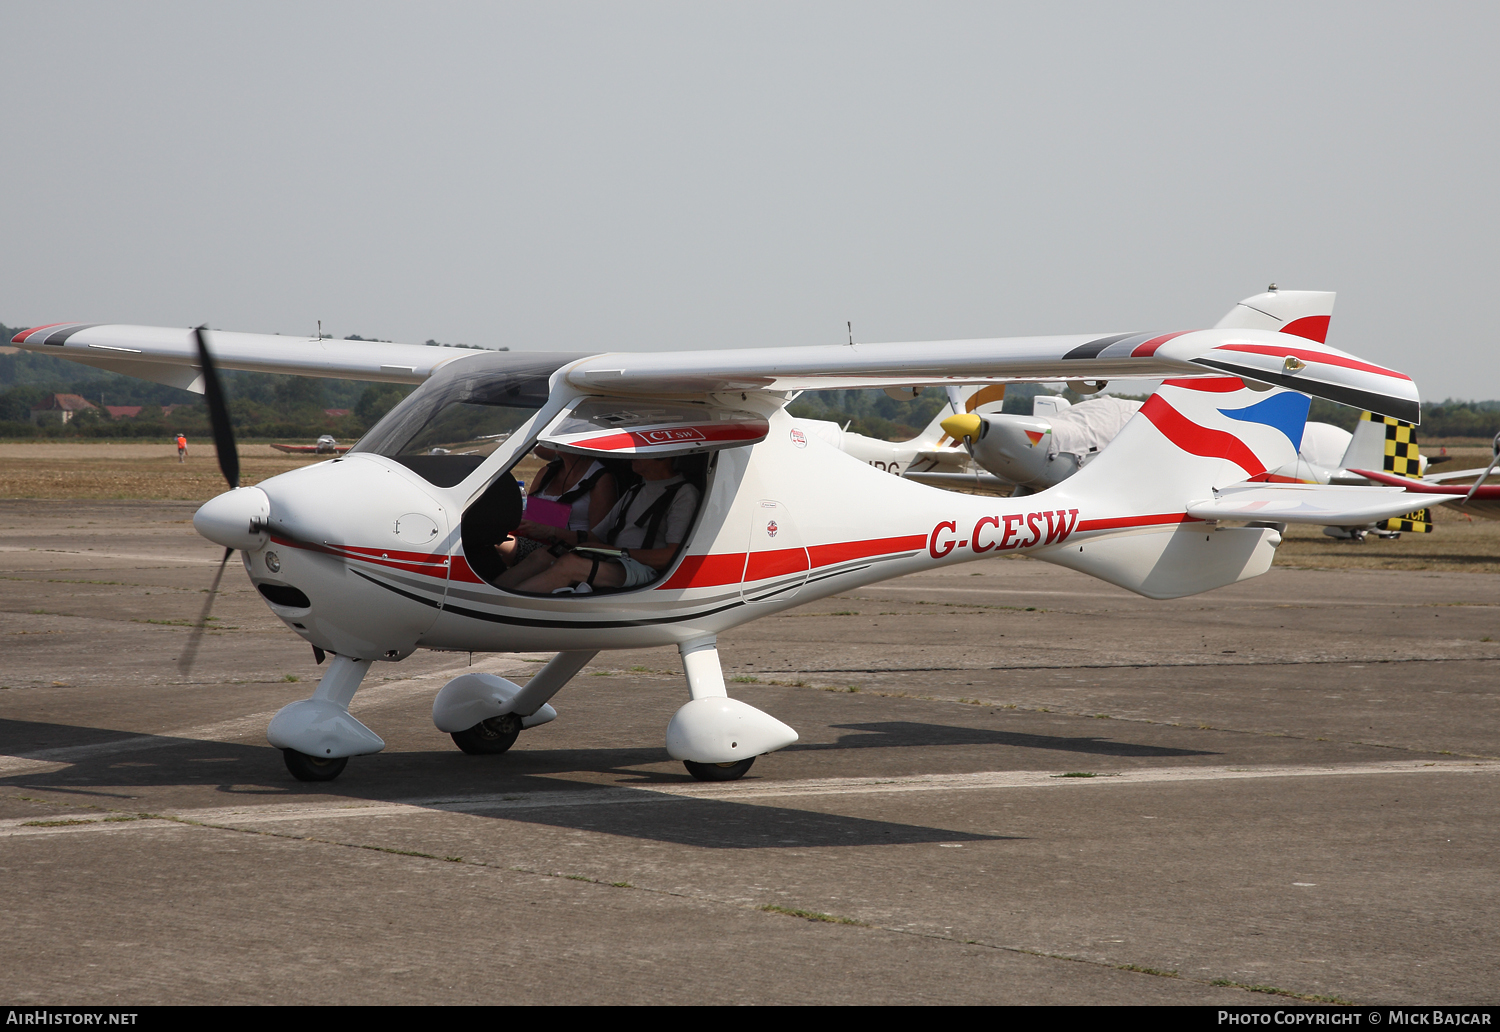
576,481
646,525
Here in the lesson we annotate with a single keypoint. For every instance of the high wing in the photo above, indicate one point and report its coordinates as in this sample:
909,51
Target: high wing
1261,355
168,355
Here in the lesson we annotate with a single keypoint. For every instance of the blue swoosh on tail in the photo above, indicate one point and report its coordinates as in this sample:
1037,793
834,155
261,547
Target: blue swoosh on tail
1286,412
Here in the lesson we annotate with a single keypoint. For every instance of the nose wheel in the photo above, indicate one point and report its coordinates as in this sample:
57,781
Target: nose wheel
313,768
718,771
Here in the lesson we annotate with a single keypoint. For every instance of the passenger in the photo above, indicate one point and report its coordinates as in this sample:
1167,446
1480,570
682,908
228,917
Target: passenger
572,480
647,525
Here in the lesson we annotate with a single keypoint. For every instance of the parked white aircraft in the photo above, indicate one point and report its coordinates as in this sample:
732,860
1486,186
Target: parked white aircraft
391,547
932,450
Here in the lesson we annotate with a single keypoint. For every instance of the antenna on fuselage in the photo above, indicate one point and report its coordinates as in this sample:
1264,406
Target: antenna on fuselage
851,333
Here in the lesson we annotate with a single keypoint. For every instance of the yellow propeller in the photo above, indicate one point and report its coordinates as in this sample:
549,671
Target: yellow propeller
965,424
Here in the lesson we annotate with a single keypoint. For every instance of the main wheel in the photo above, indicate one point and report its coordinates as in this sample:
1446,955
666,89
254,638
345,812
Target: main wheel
313,768
489,737
718,771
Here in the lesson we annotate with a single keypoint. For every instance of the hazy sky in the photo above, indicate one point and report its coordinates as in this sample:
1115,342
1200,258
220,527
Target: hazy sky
661,175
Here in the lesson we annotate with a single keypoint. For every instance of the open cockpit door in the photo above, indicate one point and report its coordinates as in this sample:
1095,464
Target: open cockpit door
631,428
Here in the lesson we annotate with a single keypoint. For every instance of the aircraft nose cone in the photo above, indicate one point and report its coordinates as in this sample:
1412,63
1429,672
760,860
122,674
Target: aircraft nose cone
235,519
965,424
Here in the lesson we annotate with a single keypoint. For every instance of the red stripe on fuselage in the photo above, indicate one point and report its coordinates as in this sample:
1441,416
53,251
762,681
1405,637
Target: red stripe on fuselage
1117,522
708,571
695,571
428,564
777,562
1200,440
702,571
462,571
844,551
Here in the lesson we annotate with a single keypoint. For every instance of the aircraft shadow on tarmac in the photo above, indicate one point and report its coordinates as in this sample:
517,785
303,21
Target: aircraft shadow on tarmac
142,762
897,733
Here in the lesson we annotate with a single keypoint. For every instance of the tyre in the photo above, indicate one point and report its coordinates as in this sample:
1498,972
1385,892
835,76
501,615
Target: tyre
313,768
489,737
718,771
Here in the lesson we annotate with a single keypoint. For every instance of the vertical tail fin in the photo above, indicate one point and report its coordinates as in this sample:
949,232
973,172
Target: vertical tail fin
1193,436
1189,438
1304,313
1386,443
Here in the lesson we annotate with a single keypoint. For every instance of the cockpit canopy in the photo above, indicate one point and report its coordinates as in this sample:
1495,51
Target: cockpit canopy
445,428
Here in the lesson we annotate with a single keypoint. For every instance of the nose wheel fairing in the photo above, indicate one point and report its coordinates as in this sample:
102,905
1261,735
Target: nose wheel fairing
321,727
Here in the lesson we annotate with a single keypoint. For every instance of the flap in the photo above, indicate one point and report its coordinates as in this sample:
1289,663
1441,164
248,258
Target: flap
629,428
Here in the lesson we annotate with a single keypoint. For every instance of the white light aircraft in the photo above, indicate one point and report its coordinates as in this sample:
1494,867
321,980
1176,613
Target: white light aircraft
931,451
391,547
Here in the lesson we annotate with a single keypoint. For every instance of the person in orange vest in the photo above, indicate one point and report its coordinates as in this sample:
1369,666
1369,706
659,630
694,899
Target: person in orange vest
181,448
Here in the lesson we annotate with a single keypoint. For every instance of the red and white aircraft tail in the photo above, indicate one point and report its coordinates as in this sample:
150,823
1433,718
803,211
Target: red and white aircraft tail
1196,437
1207,444
1304,313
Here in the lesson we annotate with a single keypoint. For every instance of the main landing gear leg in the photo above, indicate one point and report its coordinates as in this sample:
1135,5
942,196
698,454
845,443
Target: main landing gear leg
717,738
317,736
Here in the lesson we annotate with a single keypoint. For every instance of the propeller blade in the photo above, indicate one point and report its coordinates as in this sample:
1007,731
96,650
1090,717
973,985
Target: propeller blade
190,653
218,412
1483,477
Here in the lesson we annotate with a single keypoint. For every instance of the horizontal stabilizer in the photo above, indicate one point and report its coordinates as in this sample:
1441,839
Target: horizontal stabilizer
1318,504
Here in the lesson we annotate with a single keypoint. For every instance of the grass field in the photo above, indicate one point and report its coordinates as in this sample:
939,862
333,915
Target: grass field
104,470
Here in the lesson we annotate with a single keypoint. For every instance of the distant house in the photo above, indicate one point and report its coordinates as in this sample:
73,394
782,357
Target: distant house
123,411
60,407
336,413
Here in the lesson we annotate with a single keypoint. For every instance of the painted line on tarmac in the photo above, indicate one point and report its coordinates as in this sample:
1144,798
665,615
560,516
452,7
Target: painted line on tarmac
499,804
46,761
1232,603
91,554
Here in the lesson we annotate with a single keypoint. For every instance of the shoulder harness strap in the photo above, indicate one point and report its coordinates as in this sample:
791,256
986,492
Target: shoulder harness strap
657,515
582,488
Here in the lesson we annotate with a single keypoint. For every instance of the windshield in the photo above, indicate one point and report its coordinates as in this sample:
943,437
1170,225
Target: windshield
448,426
